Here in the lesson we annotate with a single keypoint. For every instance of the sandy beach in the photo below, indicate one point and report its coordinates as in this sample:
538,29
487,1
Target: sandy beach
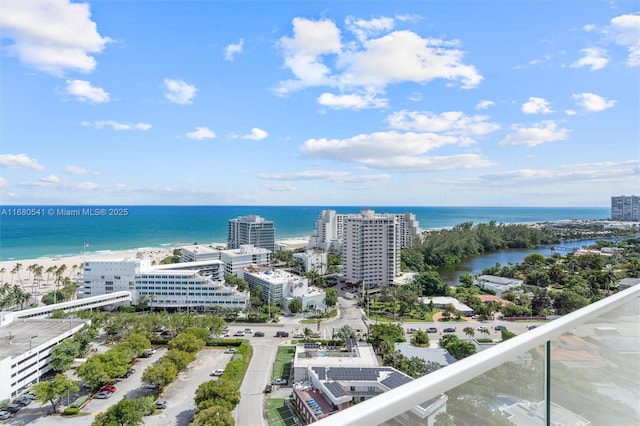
73,265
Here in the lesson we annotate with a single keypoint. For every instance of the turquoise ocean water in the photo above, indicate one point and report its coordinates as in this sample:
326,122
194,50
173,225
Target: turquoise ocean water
30,232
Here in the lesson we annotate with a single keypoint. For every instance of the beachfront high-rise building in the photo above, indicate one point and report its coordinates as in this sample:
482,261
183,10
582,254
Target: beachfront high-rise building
251,229
191,286
329,231
625,208
371,248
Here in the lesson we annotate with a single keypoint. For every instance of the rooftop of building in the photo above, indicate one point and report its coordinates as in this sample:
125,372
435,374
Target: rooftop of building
361,355
22,335
272,274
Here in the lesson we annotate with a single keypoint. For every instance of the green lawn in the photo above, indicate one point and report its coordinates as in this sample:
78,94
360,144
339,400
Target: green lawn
277,413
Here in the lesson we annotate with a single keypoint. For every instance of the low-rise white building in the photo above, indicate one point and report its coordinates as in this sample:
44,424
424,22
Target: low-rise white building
498,284
234,259
280,287
197,286
313,261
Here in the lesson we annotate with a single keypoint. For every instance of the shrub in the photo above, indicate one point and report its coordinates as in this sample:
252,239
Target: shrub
70,411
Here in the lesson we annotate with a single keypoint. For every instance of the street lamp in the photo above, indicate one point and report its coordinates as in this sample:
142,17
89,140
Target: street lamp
30,339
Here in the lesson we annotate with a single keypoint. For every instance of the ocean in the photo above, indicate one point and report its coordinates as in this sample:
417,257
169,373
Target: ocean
31,232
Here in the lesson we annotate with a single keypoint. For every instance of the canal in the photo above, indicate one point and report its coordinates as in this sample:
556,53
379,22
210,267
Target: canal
475,265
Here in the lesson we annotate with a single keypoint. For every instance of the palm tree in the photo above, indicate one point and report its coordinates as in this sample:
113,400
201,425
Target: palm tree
485,331
50,270
470,332
2,271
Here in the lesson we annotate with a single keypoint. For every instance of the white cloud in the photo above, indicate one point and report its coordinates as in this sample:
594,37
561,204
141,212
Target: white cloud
3,182
404,56
451,122
232,49
50,179
179,92
592,103
85,92
256,134
75,170
351,101
363,29
594,57
543,132
536,106
52,35
329,175
369,63
116,125
394,151
582,172
201,133
19,161
281,187
625,31
484,104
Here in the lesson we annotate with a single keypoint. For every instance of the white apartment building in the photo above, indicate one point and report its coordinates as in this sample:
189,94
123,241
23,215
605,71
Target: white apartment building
280,287
191,286
371,249
251,229
313,261
329,232
234,259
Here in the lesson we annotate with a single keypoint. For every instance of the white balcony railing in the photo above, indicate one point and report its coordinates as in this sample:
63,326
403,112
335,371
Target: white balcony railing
580,369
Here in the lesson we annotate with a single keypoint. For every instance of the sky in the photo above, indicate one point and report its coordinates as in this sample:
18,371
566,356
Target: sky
388,103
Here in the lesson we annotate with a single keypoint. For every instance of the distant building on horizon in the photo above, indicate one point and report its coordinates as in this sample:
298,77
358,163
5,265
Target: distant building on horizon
251,229
625,208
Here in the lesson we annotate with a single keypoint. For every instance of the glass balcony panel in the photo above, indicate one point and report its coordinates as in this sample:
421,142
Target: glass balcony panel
595,370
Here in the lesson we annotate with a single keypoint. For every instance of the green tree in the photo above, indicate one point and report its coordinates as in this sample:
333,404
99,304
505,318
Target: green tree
63,354
54,390
295,306
421,338
187,342
220,391
179,358
126,412
331,296
214,415
160,374
460,348
430,284
466,280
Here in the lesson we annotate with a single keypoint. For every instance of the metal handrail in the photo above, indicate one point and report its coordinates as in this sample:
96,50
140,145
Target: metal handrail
399,400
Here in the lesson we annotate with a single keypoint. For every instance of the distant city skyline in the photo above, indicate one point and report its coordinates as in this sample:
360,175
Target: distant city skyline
439,103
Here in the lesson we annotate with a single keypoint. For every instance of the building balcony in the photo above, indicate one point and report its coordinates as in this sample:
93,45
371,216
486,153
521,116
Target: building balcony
581,369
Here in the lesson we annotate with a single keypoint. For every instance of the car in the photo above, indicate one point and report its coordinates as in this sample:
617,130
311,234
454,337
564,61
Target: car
248,331
449,330
280,381
104,394
148,353
239,333
483,328
282,334
13,408
4,415
258,334
499,327
298,335
531,327
130,372
217,372
30,395
467,329
161,404
109,388
225,334
268,388
412,330
230,351
432,330
152,386
22,401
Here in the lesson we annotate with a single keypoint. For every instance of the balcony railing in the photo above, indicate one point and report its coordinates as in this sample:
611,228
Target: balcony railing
581,369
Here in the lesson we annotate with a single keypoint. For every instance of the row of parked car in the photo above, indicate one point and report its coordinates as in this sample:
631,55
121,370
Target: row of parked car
17,405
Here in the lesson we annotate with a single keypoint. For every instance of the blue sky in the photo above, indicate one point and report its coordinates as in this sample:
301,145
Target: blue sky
434,103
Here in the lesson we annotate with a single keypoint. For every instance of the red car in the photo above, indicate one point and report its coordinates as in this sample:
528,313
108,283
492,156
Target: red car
467,329
109,388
